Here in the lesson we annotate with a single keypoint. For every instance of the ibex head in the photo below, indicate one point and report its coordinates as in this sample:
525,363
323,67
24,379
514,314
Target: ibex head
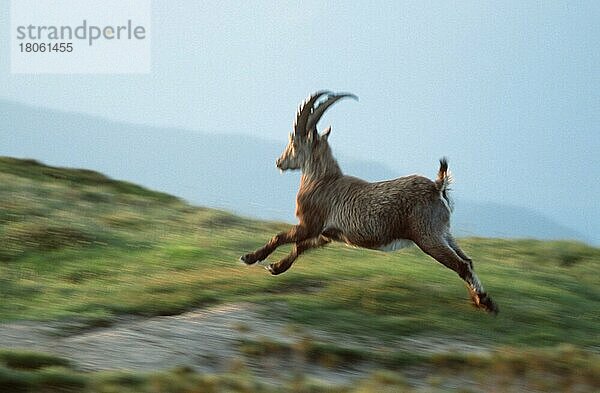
305,142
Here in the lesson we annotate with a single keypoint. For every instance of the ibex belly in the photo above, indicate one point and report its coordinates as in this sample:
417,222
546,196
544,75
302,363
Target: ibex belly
366,236
358,241
396,245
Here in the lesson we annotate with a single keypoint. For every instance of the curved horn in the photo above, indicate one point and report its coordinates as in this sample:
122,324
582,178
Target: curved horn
304,111
315,116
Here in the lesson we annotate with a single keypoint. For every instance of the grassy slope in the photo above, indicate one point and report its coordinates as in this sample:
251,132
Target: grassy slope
76,244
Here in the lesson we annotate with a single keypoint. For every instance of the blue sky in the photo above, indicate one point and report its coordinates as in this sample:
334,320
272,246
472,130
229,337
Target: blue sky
509,91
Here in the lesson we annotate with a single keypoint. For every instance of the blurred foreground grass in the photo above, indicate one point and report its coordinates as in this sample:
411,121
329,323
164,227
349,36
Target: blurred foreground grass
77,245
564,369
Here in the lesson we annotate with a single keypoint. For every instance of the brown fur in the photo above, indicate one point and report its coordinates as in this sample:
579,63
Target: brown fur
331,206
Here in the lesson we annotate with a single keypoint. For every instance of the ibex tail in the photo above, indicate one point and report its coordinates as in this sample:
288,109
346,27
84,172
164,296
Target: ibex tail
444,178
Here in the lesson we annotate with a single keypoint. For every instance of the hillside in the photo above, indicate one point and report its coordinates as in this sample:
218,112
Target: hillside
85,251
231,172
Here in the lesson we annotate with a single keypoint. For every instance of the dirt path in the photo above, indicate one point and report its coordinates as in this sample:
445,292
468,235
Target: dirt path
207,340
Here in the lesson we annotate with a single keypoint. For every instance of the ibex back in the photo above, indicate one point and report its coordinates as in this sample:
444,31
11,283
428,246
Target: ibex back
382,216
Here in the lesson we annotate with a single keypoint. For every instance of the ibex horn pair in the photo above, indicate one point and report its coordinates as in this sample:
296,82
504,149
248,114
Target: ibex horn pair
307,116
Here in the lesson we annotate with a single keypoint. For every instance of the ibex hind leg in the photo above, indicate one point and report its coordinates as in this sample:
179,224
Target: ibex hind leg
452,243
442,252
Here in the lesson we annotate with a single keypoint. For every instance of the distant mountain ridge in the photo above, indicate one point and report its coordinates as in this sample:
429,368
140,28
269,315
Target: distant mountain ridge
234,172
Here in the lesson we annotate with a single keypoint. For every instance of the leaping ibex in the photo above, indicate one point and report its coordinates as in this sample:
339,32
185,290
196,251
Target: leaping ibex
385,215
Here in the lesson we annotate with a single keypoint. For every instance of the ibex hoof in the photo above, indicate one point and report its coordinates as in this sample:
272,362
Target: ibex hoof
248,259
488,304
271,269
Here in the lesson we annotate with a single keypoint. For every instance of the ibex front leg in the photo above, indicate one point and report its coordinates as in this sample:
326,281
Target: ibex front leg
296,234
299,248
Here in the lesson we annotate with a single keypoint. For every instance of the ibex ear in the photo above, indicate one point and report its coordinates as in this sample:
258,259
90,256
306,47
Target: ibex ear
325,134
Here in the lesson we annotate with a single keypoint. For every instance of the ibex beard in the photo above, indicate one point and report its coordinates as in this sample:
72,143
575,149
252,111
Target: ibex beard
385,216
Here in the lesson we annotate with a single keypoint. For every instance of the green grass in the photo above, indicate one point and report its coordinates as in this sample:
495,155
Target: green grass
563,368
330,354
76,244
180,380
30,360
78,178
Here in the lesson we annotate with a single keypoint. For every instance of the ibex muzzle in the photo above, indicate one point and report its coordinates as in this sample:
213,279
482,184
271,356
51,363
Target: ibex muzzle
382,216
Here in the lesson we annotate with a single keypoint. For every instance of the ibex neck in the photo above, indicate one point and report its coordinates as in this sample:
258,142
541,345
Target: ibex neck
319,167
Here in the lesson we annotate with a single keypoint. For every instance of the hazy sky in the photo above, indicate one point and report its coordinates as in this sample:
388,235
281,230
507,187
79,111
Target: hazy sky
509,91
